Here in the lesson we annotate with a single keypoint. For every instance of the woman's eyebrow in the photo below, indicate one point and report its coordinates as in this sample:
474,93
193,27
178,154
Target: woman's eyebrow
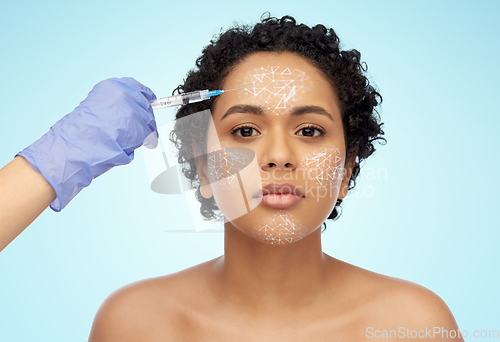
244,109
257,110
301,110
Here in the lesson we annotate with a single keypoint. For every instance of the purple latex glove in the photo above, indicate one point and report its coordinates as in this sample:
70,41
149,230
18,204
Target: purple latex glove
102,132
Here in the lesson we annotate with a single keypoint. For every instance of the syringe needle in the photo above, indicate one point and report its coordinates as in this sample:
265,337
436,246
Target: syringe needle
234,89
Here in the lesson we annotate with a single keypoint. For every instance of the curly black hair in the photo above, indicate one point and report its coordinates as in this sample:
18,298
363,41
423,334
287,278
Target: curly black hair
319,46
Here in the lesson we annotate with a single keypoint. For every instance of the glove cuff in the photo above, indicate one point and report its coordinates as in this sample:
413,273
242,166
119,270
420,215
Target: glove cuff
31,157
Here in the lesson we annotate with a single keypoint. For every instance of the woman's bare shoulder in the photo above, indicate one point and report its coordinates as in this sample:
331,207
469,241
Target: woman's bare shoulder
390,302
153,308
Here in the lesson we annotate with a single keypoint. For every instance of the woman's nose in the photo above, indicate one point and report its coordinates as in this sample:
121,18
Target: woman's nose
277,153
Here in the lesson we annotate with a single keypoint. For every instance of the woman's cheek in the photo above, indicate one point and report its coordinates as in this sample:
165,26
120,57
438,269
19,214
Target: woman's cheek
234,176
323,172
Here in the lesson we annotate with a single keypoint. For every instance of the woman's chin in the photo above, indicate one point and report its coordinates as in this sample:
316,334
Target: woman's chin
275,227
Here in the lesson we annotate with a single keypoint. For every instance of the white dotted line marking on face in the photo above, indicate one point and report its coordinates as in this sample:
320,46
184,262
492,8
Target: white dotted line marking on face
324,167
223,165
280,229
275,86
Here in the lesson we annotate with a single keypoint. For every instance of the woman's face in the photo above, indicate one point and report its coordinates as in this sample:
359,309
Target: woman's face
286,111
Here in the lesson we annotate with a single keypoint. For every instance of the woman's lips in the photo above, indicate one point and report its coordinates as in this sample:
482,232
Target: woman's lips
280,201
280,195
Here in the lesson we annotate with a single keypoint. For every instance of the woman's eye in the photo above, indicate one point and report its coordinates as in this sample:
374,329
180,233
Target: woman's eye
244,131
311,131
247,131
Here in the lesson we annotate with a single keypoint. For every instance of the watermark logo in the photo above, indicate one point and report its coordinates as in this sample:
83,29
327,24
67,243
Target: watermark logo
428,333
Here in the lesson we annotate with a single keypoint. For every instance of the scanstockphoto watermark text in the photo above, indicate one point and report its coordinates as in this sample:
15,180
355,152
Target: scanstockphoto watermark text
368,173
433,332
314,190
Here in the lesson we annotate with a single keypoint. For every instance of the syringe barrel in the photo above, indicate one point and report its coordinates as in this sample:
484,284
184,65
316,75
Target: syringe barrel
181,99
167,102
195,96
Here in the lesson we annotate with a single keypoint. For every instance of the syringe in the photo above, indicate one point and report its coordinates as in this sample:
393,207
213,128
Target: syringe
186,98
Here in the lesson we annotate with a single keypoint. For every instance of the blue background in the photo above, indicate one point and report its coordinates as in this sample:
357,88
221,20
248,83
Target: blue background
426,212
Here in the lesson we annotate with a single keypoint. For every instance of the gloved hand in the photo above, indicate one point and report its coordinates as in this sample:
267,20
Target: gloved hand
102,132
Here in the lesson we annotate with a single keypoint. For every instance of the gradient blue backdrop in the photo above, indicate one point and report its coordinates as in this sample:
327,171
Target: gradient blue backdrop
426,211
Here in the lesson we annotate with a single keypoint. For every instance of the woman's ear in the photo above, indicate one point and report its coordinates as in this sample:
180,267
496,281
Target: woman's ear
201,169
344,186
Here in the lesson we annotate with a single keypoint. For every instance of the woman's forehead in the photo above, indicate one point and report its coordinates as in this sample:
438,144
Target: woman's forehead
263,66
277,82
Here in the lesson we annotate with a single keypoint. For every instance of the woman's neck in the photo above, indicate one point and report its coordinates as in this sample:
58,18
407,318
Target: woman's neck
264,277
